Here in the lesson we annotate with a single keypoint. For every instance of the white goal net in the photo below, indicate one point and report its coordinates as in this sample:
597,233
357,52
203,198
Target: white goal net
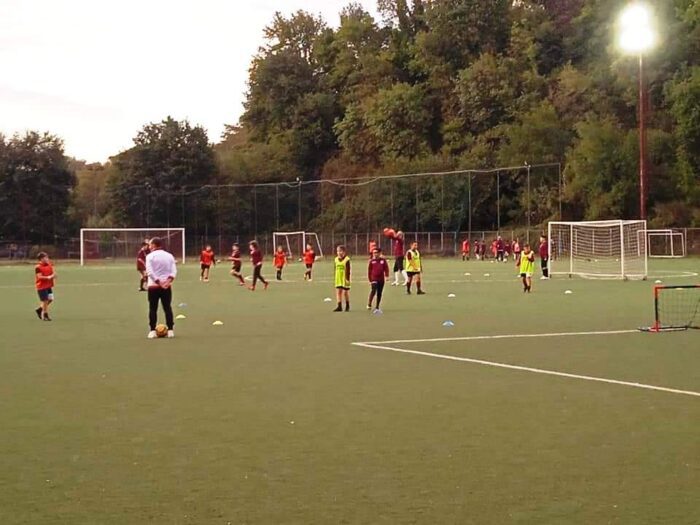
294,243
123,244
598,249
668,244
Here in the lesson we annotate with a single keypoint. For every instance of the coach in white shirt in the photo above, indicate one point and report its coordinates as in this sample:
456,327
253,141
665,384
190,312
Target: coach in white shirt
161,270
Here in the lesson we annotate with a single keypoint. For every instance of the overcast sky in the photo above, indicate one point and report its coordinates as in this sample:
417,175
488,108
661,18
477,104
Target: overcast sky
95,71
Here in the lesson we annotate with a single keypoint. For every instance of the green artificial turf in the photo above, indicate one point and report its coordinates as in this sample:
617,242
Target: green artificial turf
275,417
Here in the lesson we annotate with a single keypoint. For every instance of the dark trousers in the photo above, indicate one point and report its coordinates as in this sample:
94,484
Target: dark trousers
499,255
165,296
377,289
545,266
258,275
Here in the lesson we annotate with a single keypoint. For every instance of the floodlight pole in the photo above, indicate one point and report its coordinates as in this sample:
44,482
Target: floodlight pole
642,143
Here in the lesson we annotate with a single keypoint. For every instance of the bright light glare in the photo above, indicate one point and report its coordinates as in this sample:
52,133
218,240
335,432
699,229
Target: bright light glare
636,32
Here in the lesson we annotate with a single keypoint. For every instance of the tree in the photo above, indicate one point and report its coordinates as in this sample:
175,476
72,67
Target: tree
600,172
35,187
168,159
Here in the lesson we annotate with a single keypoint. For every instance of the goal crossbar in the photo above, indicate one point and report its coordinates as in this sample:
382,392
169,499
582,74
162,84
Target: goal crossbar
168,233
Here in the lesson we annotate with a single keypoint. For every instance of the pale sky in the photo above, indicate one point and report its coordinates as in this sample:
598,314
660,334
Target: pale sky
95,71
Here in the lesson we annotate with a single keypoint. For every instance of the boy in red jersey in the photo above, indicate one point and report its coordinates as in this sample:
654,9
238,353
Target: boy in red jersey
236,264
280,261
399,260
516,251
44,281
377,273
465,250
141,265
206,259
309,258
256,258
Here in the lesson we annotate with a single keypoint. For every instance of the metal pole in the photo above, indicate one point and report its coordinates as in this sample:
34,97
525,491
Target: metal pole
498,200
642,144
277,207
299,202
469,200
529,202
561,189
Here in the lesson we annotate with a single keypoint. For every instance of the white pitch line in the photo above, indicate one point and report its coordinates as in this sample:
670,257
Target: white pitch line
502,336
532,370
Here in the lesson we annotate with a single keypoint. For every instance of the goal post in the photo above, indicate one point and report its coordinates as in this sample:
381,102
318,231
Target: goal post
294,243
598,249
665,243
123,244
675,308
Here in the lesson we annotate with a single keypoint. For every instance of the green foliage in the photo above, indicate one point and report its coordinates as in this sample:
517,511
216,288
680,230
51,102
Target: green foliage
168,159
600,171
35,187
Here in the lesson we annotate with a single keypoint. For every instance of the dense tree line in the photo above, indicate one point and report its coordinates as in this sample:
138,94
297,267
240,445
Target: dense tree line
432,86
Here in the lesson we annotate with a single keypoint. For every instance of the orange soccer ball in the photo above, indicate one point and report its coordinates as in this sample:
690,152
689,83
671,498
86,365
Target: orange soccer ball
390,233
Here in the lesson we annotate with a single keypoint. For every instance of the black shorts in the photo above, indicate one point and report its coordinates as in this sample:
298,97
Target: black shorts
411,274
205,266
398,264
309,266
46,294
346,288
236,267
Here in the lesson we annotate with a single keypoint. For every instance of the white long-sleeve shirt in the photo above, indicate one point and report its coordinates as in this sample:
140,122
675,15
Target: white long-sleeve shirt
159,266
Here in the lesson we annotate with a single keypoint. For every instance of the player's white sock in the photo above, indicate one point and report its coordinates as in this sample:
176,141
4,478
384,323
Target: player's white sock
396,277
405,276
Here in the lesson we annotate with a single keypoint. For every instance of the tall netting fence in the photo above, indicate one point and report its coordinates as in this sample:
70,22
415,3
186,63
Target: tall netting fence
443,208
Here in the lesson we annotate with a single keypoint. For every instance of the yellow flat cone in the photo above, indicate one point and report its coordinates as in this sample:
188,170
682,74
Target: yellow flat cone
217,323
180,316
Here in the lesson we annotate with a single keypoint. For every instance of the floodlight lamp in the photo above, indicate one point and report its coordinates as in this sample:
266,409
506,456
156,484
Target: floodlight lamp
636,31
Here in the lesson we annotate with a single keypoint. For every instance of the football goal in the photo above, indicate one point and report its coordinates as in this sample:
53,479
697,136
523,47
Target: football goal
676,308
295,243
123,244
665,244
598,249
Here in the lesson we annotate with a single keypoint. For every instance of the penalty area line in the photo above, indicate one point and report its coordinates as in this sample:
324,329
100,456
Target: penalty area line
530,369
502,336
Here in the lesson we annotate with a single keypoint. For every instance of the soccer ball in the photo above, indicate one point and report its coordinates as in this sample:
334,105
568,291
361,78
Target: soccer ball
389,232
161,330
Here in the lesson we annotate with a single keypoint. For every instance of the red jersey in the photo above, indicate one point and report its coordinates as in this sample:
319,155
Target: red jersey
377,270
206,257
236,259
309,257
256,257
280,259
141,258
465,246
398,247
544,250
43,270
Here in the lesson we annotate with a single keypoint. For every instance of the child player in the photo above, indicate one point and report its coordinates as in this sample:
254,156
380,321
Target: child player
45,275
527,266
342,279
399,259
465,249
141,265
413,268
377,273
256,258
236,264
206,259
309,258
280,261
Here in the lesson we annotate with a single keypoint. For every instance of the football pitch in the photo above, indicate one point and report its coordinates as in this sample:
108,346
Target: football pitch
533,408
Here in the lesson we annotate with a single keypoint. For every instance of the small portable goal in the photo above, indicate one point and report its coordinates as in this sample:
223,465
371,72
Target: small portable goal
675,308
